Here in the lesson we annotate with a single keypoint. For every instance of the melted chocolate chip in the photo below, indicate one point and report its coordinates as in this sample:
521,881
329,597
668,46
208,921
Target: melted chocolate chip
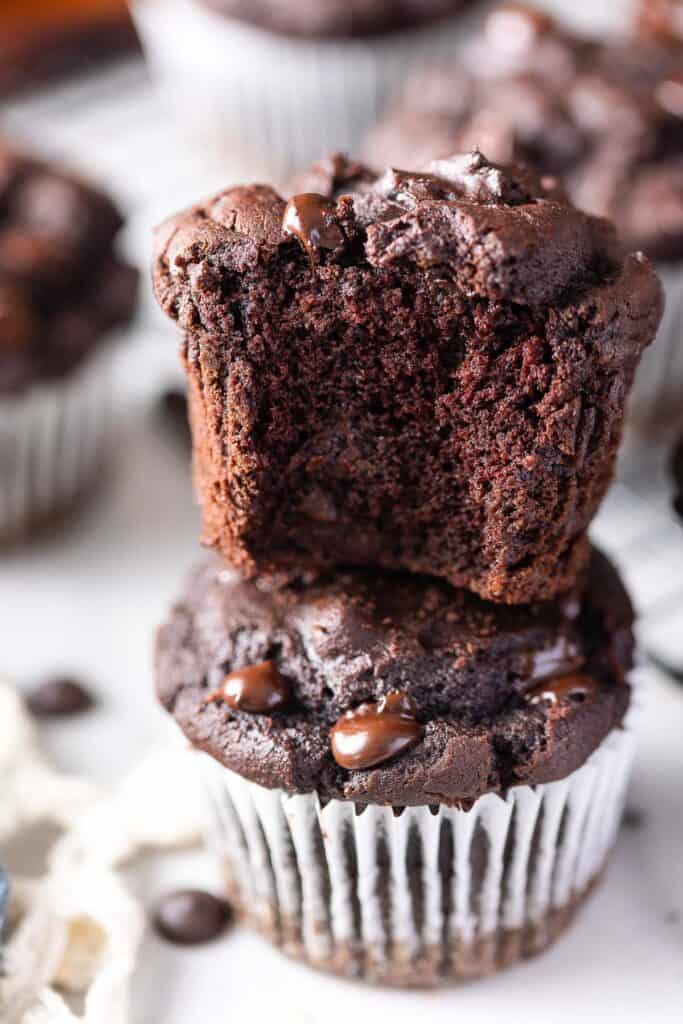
308,217
190,916
374,733
58,698
255,688
571,687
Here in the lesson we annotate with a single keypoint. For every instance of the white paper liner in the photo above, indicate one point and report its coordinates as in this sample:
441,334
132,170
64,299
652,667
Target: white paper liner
428,894
53,439
261,105
656,402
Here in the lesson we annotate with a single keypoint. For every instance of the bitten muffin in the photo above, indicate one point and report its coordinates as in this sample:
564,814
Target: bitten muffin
264,88
63,290
428,373
409,784
607,117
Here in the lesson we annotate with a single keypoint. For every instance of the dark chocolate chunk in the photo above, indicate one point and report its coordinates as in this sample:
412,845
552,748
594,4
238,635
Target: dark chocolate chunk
309,217
375,732
59,697
256,688
189,917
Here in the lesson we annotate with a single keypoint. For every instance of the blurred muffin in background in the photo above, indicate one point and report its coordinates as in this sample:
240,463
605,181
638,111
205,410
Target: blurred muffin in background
42,39
263,88
604,115
62,292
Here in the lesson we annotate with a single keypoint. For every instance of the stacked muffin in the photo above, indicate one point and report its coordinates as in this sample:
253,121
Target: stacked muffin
409,674
605,115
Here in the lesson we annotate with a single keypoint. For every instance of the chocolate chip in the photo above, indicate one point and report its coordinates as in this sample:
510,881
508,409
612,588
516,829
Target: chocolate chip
373,733
309,218
190,916
255,688
56,698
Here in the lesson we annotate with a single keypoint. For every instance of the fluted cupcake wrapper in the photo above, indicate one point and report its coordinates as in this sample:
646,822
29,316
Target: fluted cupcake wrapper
262,105
53,439
421,895
656,402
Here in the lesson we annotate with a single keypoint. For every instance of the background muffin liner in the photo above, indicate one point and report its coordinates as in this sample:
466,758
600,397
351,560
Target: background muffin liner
423,895
53,440
656,402
262,106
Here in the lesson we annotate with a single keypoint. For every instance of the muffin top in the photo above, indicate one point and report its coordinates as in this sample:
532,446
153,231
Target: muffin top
61,284
462,697
607,117
335,18
502,232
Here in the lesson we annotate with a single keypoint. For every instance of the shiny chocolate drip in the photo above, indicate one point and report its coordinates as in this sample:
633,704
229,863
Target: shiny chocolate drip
255,688
373,733
308,217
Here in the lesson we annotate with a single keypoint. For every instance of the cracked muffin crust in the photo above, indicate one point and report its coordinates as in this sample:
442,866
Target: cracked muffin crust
503,696
428,373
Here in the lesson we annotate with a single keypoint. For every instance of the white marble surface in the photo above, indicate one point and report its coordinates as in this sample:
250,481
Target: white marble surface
88,601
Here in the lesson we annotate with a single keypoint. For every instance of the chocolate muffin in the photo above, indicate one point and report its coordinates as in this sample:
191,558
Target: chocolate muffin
607,117
336,18
428,373
40,41
410,785
63,290
264,88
